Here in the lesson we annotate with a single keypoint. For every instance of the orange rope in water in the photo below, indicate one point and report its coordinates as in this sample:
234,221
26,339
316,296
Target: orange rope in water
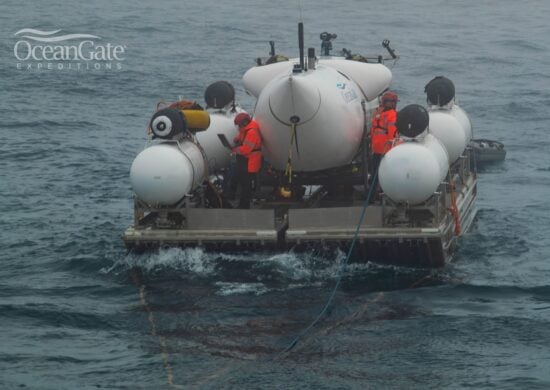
153,327
454,209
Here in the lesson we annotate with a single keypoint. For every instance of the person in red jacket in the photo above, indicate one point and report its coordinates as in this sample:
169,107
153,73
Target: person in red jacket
383,129
249,156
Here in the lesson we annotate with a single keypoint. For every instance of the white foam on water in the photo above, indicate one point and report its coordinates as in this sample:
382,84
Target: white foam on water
193,260
291,265
235,288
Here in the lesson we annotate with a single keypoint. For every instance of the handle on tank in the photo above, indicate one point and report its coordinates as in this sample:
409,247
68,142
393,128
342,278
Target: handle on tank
347,53
326,44
386,44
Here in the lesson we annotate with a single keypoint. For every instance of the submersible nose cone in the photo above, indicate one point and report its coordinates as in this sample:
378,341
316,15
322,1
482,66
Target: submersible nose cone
294,98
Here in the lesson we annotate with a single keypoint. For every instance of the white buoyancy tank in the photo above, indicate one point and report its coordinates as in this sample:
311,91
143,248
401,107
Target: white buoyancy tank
256,78
372,79
221,122
164,173
446,128
409,172
439,152
464,121
326,109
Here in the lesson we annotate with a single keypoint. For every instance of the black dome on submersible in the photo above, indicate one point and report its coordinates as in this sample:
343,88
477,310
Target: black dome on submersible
219,94
440,91
412,120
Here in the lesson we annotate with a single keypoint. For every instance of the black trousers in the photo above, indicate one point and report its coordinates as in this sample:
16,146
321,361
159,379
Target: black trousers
245,180
376,158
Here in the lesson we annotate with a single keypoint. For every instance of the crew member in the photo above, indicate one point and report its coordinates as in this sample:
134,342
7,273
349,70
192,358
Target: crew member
383,130
249,156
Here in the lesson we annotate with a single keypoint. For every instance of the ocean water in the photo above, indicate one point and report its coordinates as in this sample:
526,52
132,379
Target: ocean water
77,311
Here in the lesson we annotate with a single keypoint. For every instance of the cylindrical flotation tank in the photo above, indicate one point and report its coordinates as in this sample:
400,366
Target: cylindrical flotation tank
464,121
410,173
197,120
163,174
371,78
440,153
446,128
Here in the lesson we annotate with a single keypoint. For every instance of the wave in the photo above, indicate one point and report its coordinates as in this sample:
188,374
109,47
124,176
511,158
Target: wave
46,36
37,32
62,37
47,124
500,290
53,315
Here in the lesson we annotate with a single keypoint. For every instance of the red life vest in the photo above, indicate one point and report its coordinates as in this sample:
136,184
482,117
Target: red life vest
383,130
251,146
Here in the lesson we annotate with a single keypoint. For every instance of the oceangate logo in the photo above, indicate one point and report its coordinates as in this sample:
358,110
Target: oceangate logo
49,50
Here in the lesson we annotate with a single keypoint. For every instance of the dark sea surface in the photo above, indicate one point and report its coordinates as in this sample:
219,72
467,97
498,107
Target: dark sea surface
78,312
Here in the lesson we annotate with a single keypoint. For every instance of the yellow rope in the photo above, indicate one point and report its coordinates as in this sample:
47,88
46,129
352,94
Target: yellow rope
288,170
153,328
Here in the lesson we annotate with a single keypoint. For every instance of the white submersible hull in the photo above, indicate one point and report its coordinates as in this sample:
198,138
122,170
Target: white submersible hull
314,118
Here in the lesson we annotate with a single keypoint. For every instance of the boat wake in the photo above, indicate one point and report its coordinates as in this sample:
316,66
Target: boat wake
189,261
250,273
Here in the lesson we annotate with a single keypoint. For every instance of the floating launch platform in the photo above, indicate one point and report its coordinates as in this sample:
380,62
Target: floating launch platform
315,190
419,236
